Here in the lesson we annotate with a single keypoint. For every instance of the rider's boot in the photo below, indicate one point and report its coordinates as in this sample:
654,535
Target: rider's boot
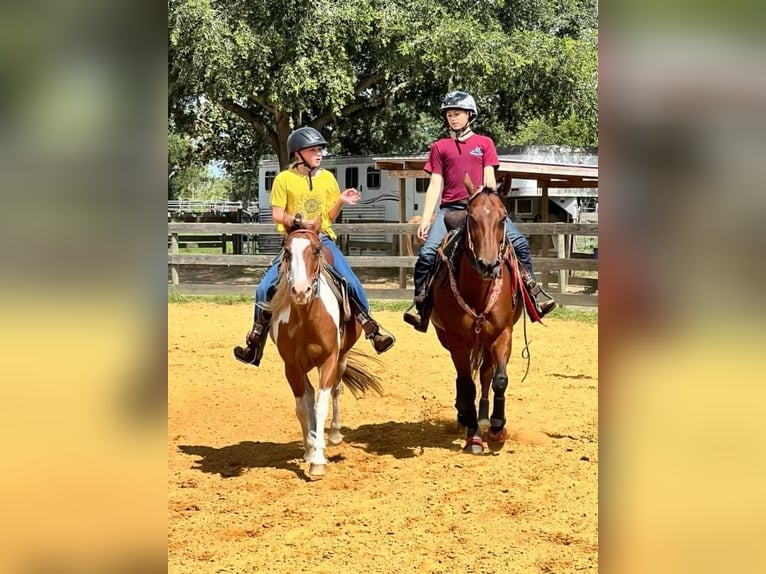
544,302
381,339
255,341
419,317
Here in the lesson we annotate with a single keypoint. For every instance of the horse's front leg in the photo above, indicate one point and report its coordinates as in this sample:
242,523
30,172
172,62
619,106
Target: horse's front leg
485,375
465,401
304,407
501,351
327,377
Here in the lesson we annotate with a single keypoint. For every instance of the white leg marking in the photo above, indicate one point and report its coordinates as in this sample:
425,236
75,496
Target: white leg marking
321,407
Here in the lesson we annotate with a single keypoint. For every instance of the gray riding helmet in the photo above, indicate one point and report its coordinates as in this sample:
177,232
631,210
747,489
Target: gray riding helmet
459,101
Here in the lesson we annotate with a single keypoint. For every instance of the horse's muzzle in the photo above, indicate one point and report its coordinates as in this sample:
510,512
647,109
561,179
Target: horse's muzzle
488,269
301,295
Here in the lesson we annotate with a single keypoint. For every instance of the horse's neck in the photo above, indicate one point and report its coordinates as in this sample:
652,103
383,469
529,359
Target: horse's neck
324,303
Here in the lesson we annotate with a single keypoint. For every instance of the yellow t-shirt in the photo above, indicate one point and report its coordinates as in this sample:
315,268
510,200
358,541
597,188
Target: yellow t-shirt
291,192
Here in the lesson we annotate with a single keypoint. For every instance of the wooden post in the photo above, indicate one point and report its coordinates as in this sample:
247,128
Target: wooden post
544,217
402,219
561,253
174,251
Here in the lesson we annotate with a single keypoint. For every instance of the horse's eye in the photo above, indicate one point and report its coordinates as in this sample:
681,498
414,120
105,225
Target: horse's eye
317,251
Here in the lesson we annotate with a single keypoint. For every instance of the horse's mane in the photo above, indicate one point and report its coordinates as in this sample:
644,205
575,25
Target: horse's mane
281,298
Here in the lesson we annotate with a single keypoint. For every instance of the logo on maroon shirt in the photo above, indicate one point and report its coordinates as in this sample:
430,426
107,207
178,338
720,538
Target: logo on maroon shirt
476,151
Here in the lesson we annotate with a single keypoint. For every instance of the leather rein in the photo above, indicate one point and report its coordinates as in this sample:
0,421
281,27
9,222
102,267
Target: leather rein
479,318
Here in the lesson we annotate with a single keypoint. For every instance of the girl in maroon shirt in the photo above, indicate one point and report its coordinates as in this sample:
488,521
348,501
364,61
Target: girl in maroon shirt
450,159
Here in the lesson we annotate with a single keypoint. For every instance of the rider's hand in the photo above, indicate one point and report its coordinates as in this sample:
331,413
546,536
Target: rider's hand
425,225
350,196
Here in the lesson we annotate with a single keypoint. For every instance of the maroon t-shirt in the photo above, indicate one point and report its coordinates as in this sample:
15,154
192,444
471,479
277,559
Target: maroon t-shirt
453,159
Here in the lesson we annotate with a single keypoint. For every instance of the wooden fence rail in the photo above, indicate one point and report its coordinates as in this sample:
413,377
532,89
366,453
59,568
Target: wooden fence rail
561,264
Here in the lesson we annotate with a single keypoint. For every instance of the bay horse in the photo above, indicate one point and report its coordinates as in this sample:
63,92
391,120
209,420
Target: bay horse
477,299
311,330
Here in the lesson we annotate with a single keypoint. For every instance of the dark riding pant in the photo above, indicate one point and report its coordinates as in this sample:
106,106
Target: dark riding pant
438,230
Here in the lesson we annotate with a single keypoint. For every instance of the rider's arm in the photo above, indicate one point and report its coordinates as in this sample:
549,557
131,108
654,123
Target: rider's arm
489,177
334,210
349,196
279,215
432,195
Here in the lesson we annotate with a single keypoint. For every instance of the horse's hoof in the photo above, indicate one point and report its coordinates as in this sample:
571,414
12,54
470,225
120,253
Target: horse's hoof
499,436
474,445
484,425
317,471
335,438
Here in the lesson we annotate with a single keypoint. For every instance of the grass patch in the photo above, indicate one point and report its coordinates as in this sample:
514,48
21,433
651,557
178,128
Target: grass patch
219,299
590,317
394,305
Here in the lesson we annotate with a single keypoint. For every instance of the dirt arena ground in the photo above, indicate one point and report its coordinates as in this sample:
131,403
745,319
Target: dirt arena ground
399,496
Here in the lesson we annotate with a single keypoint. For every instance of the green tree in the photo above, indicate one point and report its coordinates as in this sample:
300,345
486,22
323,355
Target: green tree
281,64
184,166
370,74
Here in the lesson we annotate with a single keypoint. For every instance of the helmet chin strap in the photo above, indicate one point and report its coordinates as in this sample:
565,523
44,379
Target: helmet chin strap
312,170
462,132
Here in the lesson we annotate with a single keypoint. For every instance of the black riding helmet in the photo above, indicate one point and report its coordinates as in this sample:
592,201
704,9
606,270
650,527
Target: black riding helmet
301,139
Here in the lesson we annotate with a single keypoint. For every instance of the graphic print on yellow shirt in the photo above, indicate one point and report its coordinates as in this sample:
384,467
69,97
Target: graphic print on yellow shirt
291,192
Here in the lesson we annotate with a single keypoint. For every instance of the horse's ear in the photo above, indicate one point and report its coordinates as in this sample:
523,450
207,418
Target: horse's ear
316,226
469,186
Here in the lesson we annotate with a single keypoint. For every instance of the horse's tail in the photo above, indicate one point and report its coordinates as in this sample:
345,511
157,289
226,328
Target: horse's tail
357,378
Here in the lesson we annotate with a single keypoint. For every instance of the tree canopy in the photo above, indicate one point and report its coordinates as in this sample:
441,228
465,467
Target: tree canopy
370,74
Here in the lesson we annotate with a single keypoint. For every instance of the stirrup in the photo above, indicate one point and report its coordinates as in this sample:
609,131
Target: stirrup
248,355
252,353
382,340
547,304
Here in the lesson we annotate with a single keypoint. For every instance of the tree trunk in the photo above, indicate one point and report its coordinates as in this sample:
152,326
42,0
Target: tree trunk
283,132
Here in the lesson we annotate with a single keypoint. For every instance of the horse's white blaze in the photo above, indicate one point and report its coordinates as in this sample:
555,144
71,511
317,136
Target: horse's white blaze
321,408
301,281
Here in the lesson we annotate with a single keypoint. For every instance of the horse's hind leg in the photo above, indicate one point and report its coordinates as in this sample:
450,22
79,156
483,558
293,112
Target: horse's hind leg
335,437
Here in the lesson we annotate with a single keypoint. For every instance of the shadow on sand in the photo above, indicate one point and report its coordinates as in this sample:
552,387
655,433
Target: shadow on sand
397,439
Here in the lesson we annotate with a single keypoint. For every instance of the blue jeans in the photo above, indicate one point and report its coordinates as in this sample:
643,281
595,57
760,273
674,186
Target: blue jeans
266,288
436,234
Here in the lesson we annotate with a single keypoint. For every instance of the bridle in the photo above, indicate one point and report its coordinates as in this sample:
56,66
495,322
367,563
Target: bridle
479,318
503,247
316,252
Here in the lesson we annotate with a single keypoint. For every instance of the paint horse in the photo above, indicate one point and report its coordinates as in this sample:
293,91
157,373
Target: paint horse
477,298
311,330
